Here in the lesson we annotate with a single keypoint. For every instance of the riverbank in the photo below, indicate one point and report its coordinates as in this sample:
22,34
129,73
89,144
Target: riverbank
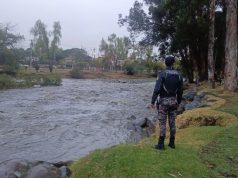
206,147
88,74
29,78
27,81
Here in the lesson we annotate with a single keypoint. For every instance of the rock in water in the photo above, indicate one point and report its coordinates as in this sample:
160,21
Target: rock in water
189,96
44,170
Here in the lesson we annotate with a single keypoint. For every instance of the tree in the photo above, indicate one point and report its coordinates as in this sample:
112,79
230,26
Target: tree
8,40
175,27
231,45
142,52
211,66
55,42
41,41
122,47
114,49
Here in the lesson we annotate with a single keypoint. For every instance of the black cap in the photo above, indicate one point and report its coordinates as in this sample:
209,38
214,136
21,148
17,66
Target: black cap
169,60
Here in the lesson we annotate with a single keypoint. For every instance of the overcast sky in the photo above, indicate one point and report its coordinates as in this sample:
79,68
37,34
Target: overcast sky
84,22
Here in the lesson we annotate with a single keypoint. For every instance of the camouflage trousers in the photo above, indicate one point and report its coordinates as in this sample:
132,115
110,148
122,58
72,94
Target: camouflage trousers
167,108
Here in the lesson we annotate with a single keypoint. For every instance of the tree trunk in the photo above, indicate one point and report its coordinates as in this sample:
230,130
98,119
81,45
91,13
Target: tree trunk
210,58
186,64
231,46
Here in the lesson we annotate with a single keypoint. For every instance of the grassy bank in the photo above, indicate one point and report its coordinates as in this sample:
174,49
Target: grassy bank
28,80
221,154
201,150
87,74
30,77
98,74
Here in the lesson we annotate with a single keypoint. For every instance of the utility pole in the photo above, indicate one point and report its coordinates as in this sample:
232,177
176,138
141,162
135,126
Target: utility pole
31,46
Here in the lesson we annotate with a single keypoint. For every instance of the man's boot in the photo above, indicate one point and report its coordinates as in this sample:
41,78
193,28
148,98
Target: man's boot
160,145
171,142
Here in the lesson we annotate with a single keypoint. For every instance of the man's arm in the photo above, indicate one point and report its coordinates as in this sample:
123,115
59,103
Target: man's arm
157,88
180,90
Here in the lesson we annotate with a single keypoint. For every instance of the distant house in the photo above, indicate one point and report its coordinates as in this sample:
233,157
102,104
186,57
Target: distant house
68,63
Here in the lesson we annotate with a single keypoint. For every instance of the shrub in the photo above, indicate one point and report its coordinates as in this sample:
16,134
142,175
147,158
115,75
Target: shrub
9,70
134,67
154,67
51,80
130,69
140,67
178,66
32,80
77,71
6,81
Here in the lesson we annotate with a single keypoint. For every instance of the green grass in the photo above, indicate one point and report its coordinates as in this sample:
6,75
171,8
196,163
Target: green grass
231,105
210,151
143,160
221,154
140,161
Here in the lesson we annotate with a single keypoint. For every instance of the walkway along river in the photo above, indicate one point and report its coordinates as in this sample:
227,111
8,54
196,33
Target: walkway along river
67,122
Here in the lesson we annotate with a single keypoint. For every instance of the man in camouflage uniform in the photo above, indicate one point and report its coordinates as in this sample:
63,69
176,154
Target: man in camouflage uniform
169,88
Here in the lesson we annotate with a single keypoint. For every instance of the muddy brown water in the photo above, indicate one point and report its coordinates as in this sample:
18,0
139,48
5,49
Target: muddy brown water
67,122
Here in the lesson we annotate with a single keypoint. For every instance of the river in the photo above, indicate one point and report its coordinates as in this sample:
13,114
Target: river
67,122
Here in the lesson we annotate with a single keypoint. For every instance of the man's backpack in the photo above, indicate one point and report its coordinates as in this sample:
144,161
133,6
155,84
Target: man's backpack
171,82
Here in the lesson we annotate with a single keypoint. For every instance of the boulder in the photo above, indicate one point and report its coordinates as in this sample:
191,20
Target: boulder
37,169
190,101
189,96
14,169
192,105
141,128
132,117
44,170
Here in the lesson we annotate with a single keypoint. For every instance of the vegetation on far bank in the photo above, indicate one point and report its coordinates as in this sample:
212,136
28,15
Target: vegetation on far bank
207,150
24,80
130,69
43,77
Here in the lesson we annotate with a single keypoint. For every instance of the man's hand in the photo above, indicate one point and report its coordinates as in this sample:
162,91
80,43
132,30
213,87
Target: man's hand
152,106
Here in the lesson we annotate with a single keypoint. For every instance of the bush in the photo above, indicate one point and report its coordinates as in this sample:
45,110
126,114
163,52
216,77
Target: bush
51,80
77,71
140,67
9,70
134,67
6,81
154,66
8,62
158,66
178,66
130,69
